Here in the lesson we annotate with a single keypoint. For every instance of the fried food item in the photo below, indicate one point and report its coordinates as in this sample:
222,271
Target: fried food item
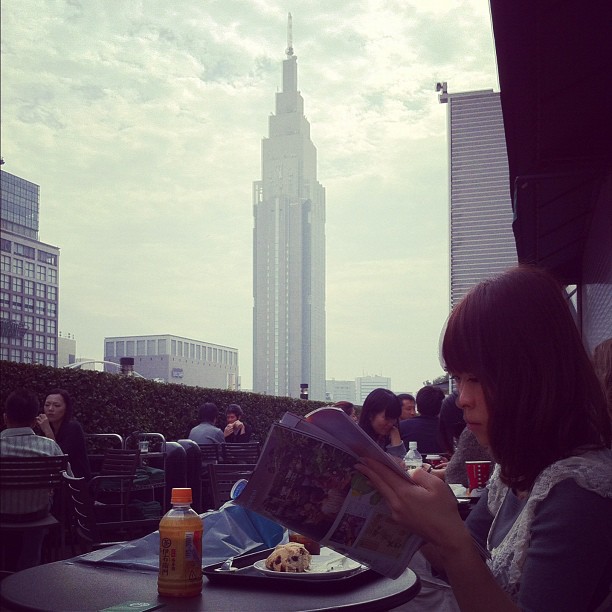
291,557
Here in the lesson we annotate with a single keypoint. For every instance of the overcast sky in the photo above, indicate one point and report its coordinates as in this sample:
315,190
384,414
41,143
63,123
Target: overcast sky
142,123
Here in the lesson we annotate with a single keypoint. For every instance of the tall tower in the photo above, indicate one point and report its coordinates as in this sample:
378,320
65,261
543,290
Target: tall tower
481,239
289,252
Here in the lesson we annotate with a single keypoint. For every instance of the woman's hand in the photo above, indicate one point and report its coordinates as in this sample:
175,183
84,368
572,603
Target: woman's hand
43,422
394,437
430,509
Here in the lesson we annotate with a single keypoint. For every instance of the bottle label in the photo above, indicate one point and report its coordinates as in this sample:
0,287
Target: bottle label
180,558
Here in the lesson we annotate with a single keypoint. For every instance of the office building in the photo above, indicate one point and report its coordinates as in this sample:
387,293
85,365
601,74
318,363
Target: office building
29,278
340,390
179,360
364,385
289,252
481,239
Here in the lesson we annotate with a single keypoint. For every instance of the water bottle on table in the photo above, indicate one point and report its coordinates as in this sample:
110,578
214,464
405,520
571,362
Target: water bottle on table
413,459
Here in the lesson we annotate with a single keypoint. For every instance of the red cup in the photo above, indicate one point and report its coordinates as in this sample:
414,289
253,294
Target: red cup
478,473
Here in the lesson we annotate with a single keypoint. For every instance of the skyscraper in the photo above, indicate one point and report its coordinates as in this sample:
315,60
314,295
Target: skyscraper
29,271
289,252
481,239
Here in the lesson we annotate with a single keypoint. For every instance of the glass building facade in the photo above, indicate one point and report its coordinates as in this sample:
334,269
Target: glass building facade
29,278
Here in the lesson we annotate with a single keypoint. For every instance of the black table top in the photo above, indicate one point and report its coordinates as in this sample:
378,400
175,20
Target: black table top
71,586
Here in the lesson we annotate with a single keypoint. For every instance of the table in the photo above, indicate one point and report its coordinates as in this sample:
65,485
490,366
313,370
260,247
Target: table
71,586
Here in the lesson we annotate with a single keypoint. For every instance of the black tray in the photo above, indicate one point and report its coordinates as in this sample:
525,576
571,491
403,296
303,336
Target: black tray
247,575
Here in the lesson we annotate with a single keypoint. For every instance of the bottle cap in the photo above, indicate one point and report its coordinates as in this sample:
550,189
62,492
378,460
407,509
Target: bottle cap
238,488
412,445
181,496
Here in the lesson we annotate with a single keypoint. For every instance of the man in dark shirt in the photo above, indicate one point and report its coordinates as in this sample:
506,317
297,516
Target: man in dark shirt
423,429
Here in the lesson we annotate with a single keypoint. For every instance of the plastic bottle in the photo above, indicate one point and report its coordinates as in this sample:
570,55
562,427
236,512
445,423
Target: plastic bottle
180,548
413,459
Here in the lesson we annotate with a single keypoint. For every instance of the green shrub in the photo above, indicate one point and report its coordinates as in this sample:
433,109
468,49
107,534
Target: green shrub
112,403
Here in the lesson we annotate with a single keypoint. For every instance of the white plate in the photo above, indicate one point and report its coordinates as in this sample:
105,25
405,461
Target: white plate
328,565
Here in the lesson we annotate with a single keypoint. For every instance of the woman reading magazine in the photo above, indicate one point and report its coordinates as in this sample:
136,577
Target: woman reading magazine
530,395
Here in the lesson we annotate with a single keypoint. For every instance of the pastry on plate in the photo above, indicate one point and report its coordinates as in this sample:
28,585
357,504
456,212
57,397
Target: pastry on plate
291,557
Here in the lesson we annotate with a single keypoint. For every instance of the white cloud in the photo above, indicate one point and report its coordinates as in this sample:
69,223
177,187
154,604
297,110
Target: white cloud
142,123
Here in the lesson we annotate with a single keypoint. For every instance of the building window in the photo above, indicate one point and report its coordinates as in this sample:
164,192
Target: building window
17,284
209,353
173,347
162,348
51,326
24,250
140,347
4,353
5,263
52,274
198,352
41,273
129,348
48,258
15,354
28,320
51,309
28,287
50,360
120,349
6,246
50,343
17,302
28,304
40,325
51,293
4,299
40,342
40,307
5,281
150,347
28,357
29,269
109,351
18,266
28,340
40,290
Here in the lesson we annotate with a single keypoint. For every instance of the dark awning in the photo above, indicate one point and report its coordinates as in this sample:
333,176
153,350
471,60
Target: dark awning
555,69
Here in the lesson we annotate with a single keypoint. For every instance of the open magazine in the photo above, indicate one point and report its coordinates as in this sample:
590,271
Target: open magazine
306,480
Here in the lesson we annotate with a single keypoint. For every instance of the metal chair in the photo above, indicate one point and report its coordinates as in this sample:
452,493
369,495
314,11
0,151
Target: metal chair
211,453
33,479
91,527
241,453
222,478
97,444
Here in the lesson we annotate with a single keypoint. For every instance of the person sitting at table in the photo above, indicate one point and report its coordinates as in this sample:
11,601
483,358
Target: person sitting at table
19,440
379,419
56,423
408,403
423,429
450,424
207,432
530,394
236,430
348,408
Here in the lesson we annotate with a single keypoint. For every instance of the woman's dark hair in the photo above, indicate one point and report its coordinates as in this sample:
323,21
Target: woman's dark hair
67,400
347,407
234,409
379,400
515,333
208,412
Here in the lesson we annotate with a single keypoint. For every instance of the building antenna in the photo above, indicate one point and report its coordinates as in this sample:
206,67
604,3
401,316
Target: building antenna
289,50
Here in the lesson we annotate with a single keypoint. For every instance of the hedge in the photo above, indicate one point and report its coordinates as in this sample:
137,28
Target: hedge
113,403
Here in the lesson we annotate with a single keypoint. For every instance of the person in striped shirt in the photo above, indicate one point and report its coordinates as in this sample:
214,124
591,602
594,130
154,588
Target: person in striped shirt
19,440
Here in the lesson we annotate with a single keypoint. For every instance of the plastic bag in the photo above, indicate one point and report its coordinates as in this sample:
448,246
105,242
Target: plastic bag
228,532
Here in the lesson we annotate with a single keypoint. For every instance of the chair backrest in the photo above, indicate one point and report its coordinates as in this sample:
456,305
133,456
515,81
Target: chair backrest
21,473
120,462
241,453
211,453
223,476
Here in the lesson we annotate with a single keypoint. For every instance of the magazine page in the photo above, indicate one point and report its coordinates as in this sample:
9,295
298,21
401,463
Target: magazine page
343,429
310,485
